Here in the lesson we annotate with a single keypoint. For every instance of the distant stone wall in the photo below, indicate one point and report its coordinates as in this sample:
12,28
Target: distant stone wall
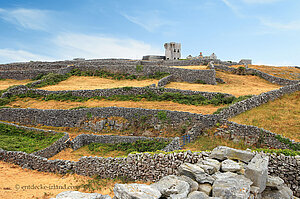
21,89
164,81
86,139
258,100
252,71
32,69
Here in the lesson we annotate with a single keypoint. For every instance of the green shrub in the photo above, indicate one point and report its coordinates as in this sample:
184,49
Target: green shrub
138,146
199,81
17,139
139,68
286,152
162,115
293,146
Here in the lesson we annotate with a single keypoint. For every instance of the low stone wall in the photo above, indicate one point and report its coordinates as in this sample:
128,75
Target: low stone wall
252,71
257,100
86,139
287,168
164,81
51,150
21,89
251,135
143,166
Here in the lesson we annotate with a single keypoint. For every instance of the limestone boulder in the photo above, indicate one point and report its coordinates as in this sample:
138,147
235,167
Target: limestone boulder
136,191
237,187
172,187
210,162
225,175
223,152
274,182
193,184
80,195
197,195
257,171
195,172
230,165
283,193
206,188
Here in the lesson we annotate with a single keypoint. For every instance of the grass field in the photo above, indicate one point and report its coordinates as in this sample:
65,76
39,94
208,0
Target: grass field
91,83
236,85
281,116
14,139
283,72
164,105
14,179
192,67
5,83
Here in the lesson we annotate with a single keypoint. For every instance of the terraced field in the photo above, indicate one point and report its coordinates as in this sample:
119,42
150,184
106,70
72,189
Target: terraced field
236,85
92,83
281,116
5,83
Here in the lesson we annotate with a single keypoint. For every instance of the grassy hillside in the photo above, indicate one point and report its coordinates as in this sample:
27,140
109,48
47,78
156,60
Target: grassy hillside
236,85
281,116
5,83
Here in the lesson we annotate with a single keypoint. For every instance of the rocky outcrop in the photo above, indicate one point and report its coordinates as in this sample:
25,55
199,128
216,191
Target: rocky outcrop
227,174
80,195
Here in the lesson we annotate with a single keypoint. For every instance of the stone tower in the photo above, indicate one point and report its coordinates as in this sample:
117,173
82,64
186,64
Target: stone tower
172,50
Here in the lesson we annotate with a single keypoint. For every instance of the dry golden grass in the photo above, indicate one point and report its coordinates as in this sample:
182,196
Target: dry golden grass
192,67
69,154
281,116
12,176
164,105
209,142
4,84
91,83
286,72
236,85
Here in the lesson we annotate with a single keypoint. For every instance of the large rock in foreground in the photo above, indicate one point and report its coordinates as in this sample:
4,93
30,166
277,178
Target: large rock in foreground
135,191
223,152
80,195
257,171
237,187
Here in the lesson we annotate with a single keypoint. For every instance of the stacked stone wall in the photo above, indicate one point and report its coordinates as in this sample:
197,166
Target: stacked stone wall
164,81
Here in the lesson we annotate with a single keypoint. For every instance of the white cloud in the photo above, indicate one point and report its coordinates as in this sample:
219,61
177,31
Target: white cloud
11,55
149,20
292,25
260,1
233,7
26,18
72,45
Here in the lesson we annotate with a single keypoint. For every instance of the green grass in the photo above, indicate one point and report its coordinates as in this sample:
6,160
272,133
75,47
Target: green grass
16,139
138,146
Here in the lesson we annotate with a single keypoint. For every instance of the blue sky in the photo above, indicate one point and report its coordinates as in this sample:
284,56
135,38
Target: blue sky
268,31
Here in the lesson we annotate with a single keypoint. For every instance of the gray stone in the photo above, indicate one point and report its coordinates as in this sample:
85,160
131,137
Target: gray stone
197,195
225,175
223,152
274,182
237,187
80,195
283,193
136,191
230,165
193,184
257,171
172,187
206,188
195,172
211,162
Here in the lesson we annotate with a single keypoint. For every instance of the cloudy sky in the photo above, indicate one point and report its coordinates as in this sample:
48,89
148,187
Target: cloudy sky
268,31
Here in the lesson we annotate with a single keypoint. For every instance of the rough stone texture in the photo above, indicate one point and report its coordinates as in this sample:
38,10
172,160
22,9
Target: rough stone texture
164,81
195,172
206,188
135,191
257,171
193,184
172,187
197,195
230,165
274,182
223,152
80,195
284,193
233,187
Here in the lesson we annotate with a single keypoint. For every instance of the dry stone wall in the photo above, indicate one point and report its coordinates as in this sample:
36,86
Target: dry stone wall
21,89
